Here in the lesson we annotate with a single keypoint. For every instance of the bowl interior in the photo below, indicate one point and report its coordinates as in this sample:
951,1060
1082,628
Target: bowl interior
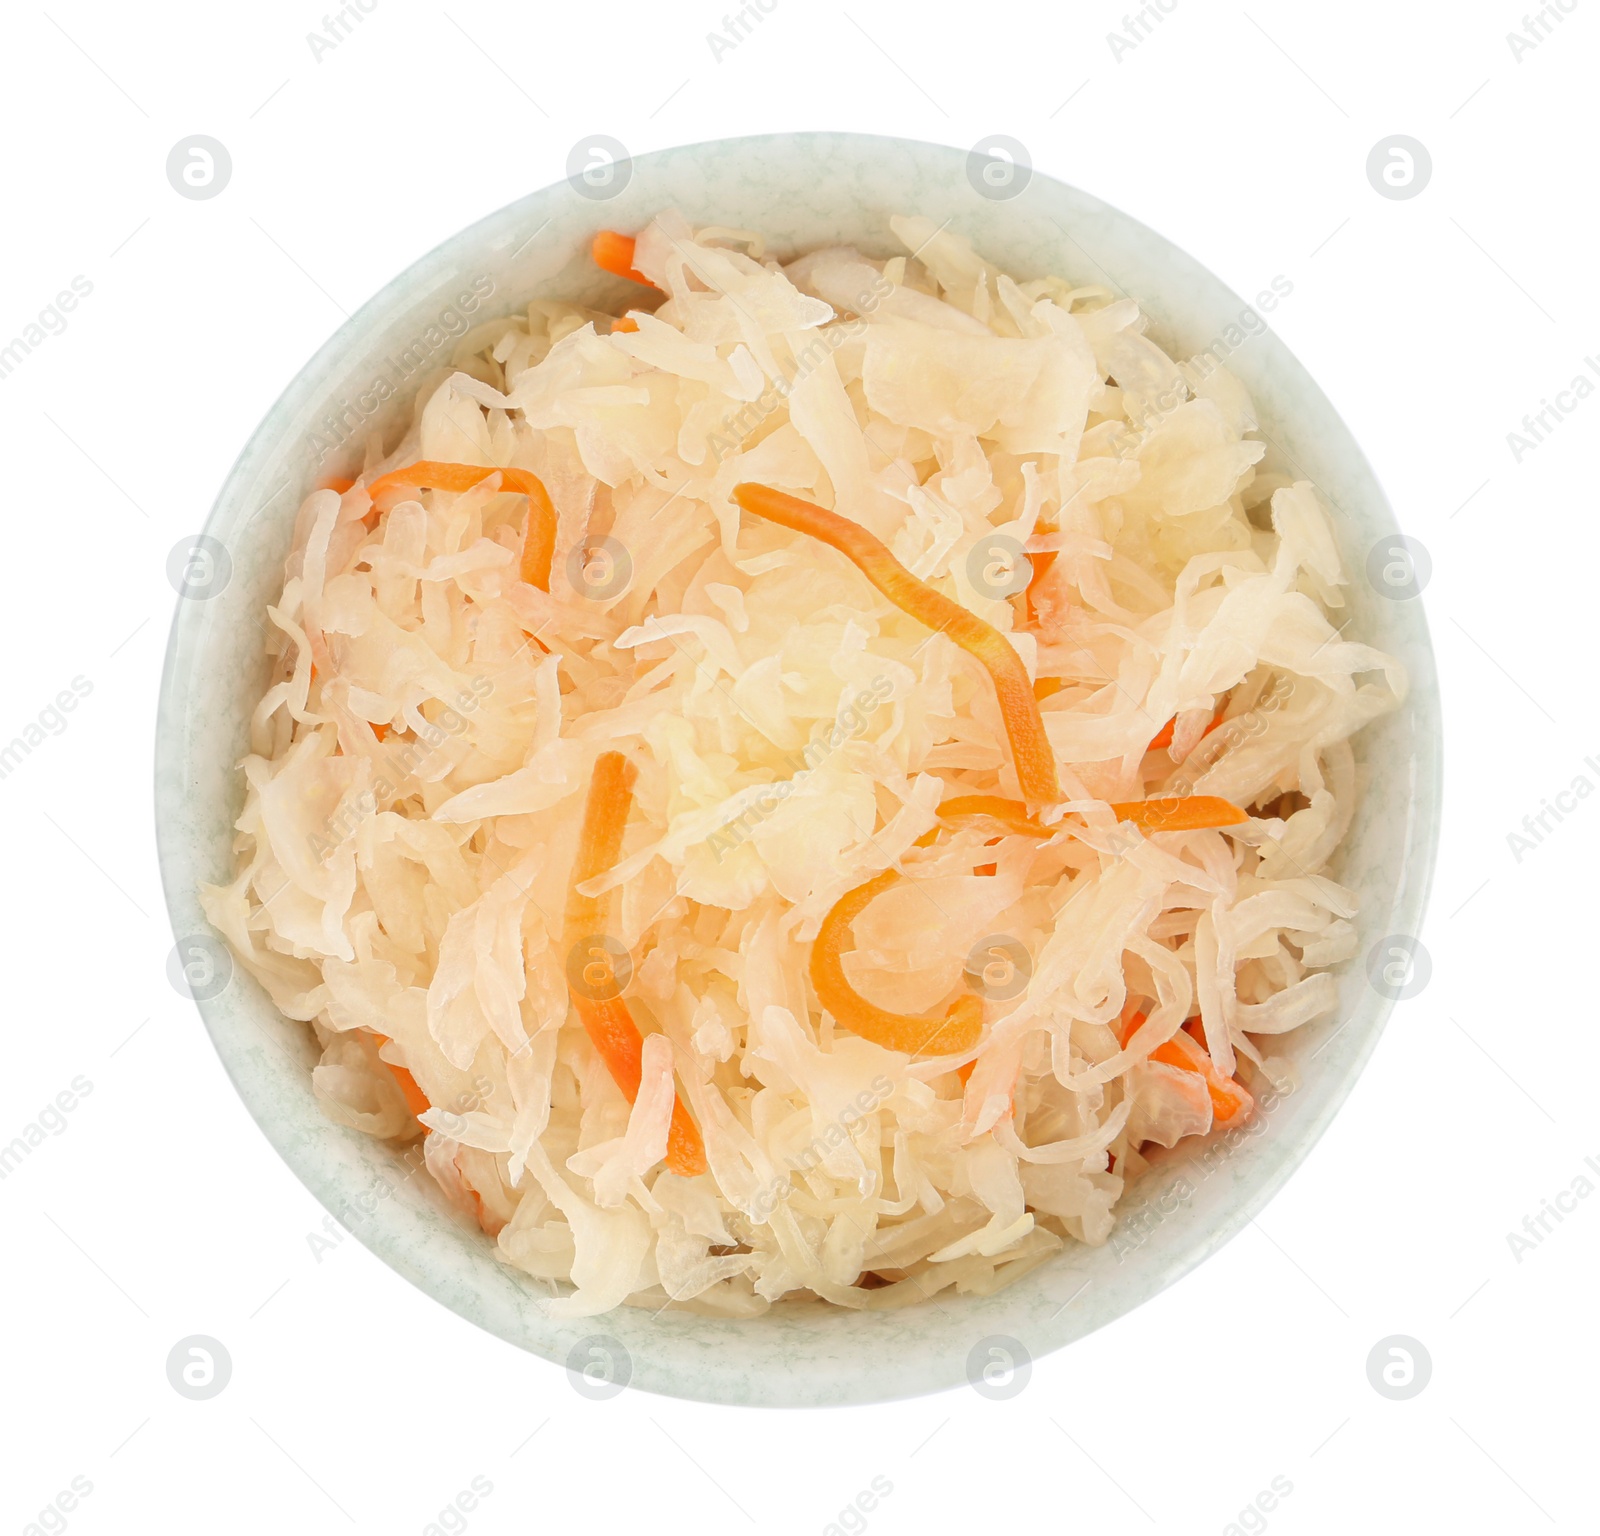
800,191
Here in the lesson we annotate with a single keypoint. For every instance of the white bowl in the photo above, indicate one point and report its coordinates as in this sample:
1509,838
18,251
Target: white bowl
800,190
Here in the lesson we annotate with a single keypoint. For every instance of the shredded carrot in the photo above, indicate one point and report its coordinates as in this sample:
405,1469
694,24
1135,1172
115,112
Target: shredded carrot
1180,813
1011,814
1041,563
485,1221
964,1072
1163,737
1166,813
416,1099
917,1035
538,542
1041,568
337,483
379,729
1030,748
626,323
1043,687
1228,1097
607,1021
614,253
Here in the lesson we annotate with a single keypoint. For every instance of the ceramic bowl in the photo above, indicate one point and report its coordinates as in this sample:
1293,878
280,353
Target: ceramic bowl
800,191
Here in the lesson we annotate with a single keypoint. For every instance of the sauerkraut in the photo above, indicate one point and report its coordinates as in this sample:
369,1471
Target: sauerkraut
421,766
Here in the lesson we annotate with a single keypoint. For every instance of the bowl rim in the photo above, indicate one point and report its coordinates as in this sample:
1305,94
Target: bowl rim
667,1358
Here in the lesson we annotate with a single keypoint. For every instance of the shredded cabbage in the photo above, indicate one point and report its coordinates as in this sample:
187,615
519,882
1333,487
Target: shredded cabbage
419,761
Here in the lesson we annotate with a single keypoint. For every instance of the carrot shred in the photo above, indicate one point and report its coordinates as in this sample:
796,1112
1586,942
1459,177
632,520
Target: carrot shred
1229,1098
337,483
1165,813
626,323
1163,737
1043,687
1031,752
1180,813
917,1035
1011,814
1042,561
416,1099
964,1072
538,542
614,253
606,1020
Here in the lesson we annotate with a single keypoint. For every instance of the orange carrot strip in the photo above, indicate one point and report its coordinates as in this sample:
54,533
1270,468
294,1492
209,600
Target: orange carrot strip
1041,567
1228,1097
538,543
1163,737
1179,813
1011,814
917,1035
625,324
1043,687
964,1072
1030,748
416,1099
337,483
538,539
614,253
607,1020
1166,813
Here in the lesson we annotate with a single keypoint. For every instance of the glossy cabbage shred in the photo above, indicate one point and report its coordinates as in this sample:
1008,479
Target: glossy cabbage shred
419,764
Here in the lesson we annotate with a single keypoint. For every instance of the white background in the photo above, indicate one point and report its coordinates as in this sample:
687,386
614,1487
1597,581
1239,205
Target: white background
1434,324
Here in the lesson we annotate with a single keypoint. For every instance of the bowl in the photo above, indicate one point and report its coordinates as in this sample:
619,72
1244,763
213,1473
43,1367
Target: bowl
799,190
